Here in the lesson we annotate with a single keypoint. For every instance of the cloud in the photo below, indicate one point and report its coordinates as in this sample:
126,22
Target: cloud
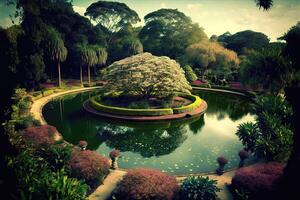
193,6
79,9
163,5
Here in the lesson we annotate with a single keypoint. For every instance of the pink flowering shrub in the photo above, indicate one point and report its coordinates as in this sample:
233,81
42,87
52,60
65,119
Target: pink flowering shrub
44,135
222,161
146,184
89,166
114,153
257,180
82,143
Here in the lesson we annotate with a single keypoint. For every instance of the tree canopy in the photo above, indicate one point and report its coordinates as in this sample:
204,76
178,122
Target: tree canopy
244,40
210,55
266,68
146,76
168,32
112,15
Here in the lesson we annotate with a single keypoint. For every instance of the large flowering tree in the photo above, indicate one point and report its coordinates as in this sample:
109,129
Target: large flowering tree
144,75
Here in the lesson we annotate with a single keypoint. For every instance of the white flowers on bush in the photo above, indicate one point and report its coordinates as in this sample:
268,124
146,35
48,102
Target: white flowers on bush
144,75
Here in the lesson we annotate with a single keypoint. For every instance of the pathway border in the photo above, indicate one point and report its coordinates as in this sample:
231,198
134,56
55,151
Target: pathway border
37,105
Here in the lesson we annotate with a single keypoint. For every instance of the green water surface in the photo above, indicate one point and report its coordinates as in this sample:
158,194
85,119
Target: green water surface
177,147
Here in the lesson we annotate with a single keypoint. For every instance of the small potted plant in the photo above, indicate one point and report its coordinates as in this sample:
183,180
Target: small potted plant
222,161
82,144
243,154
114,154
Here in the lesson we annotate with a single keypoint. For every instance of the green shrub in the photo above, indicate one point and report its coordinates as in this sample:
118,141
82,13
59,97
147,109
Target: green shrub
36,180
26,122
57,156
47,92
127,111
189,73
198,188
139,105
271,137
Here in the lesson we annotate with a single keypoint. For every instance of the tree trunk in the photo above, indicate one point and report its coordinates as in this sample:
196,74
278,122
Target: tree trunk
81,75
89,75
59,75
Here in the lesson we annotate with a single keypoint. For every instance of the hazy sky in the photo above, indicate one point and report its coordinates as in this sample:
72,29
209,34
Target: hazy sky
215,16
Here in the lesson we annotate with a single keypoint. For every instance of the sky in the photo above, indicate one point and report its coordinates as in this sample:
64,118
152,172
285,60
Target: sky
215,16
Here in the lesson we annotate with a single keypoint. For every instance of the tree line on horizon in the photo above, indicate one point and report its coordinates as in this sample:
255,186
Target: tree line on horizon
52,38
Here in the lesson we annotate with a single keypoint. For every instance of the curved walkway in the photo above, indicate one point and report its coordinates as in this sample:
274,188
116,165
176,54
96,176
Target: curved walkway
37,106
104,191
220,90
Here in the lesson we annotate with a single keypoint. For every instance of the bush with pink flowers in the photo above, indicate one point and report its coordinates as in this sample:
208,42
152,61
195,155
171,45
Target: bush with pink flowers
146,184
39,136
256,181
89,166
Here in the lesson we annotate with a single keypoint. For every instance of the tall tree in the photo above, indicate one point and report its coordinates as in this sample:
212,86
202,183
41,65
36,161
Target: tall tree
244,40
55,49
86,56
112,15
168,32
265,4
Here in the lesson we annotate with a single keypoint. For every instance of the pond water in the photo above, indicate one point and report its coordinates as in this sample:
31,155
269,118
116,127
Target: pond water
177,147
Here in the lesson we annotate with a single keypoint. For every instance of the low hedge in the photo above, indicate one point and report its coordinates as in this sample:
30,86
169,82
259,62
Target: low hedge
127,111
196,103
47,92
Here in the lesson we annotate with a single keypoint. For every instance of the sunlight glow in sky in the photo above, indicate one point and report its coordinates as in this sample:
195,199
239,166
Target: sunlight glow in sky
215,16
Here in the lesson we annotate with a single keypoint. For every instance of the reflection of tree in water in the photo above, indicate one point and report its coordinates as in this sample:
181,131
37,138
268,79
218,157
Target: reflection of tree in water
154,142
223,105
196,126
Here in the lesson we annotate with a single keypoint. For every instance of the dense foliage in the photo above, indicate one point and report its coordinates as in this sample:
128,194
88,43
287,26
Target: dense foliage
198,188
243,41
257,181
37,181
146,184
189,73
271,137
266,69
144,75
210,55
167,32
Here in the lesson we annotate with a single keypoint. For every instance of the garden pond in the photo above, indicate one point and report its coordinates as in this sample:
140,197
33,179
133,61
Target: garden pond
179,147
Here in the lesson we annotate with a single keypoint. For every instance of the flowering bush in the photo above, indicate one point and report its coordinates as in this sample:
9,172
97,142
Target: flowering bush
222,161
82,144
114,154
89,166
198,188
257,180
44,135
146,184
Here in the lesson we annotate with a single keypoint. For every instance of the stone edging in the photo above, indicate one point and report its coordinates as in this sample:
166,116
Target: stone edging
37,105
220,90
198,111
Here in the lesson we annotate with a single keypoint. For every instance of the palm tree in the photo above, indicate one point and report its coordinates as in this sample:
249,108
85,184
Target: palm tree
101,54
86,56
265,4
55,49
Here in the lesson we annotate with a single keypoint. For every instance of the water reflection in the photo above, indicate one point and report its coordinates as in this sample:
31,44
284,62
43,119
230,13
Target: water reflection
178,147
